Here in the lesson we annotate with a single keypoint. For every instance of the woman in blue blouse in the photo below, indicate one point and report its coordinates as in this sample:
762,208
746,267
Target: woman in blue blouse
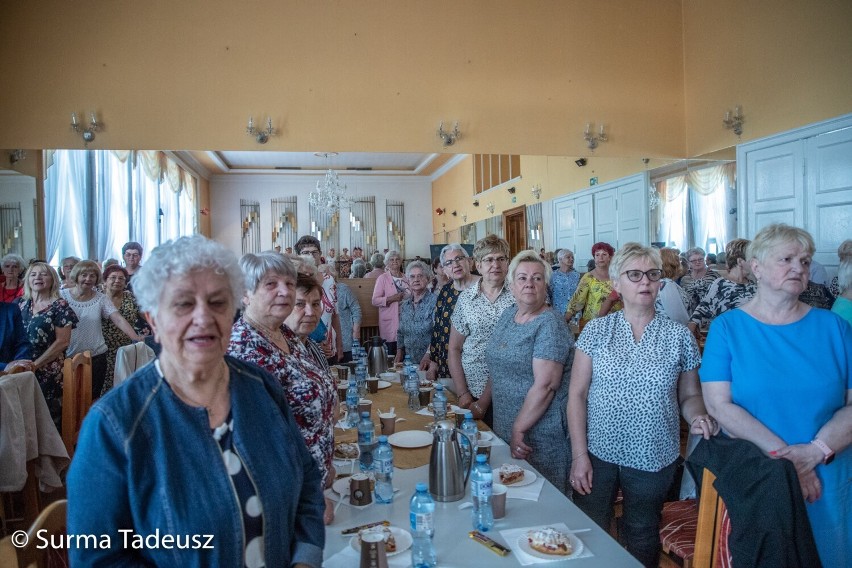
415,314
195,443
635,373
778,373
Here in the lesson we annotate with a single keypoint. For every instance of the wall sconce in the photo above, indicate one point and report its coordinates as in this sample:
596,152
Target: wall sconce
592,140
476,203
454,213
511,190
87,132
734,122
490,207
449,138
440,211
16,156
581,162
536,191
260,134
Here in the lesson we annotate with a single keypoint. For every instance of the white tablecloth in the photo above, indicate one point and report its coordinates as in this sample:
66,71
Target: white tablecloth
27,433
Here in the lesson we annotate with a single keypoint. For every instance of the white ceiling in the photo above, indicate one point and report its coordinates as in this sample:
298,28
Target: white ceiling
308,161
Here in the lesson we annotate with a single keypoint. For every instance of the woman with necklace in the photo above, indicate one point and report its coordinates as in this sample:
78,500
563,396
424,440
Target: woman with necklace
13,286
115,289
264,335
415,314
635,372
391,288
473,320
197,441
778,373
594,287
48,321
91,306
456,264
529,360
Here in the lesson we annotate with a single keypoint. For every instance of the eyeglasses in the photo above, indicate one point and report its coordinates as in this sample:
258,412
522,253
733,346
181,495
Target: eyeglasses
696,260
636,275
314,252
457,260
489,260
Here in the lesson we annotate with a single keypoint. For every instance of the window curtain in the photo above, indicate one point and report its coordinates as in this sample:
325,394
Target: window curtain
695,207
95,201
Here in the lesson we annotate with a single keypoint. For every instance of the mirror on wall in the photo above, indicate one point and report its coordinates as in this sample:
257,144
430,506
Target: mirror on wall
18,232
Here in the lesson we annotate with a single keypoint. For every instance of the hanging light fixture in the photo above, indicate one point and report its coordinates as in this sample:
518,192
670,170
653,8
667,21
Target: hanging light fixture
330,195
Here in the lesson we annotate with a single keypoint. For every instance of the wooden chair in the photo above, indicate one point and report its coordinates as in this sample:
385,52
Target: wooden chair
8,553
76,397
54,521
696,534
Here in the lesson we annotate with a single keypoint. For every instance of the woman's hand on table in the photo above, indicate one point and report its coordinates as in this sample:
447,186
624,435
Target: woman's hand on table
704,425
520,450
805,457
465,399
581,474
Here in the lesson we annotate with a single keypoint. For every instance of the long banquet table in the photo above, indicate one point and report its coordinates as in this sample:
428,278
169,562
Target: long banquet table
453,546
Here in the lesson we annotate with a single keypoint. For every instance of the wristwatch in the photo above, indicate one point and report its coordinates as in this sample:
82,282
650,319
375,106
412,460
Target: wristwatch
828,456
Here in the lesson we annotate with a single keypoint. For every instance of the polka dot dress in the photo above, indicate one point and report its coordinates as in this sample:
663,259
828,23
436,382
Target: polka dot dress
246,495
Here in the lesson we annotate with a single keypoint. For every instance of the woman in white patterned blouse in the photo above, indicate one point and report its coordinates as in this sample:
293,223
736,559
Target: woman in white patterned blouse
634,373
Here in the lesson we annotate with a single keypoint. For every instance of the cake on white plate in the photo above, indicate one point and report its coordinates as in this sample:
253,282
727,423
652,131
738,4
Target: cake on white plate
510,473
550,541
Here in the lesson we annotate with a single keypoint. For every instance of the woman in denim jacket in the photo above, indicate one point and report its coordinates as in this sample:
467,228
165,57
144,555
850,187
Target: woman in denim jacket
196,459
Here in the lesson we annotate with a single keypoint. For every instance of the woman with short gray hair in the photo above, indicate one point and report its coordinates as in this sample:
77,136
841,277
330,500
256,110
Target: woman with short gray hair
415,314
391,288
13,267
359,268
224,428
377,261
843,304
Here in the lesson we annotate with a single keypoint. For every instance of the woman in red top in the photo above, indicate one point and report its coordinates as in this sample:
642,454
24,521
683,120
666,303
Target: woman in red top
13,285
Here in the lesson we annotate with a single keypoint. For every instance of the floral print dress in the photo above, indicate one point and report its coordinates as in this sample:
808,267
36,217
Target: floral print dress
589,296
116,338
440,341
41,333
310,391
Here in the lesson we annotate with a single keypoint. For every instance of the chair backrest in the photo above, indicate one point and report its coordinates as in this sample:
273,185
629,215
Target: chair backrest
53,520
76,397
709,534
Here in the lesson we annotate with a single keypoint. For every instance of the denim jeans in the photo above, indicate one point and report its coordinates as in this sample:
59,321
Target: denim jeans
644,493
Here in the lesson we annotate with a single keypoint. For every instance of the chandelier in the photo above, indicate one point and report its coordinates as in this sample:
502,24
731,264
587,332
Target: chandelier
330,195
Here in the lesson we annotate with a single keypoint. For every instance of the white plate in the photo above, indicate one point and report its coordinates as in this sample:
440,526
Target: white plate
347,460
410,439
383,384
529,477
341,486
576,544
402,536
485,436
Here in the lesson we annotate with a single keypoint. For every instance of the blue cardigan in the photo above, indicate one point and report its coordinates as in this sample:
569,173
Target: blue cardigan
147,463
14,344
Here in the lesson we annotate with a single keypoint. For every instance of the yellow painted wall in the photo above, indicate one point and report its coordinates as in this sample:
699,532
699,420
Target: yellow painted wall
522,77
787,62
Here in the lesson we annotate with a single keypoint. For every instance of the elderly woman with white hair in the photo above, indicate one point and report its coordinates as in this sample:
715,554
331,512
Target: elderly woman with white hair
391,289
843,304
699,278
635,373
13,268
377,261
844,253
563,282
778,373
529,361
415,314
196,442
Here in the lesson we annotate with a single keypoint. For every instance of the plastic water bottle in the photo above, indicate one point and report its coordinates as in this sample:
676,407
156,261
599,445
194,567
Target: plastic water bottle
481,479
383,468
406,362
421,514
352,399
470,430
361,376
356,347
439,402
366,441
412,386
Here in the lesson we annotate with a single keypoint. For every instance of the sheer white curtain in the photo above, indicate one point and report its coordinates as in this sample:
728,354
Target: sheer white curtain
98,200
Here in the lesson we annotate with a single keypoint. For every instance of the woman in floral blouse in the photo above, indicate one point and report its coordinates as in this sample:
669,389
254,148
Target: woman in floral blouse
595,286
48,320
260,336
115,289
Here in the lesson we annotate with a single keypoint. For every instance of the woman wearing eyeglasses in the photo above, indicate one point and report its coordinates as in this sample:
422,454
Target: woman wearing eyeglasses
634,373
473,320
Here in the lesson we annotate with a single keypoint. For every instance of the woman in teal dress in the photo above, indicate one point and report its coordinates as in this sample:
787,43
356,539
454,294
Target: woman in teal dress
778,373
